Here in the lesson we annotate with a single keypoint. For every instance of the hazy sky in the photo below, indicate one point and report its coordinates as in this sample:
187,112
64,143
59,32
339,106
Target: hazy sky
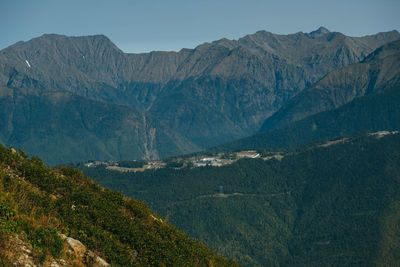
145,25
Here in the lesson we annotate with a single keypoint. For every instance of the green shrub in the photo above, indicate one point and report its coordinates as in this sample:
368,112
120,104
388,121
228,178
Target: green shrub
71,172
7,212
48,241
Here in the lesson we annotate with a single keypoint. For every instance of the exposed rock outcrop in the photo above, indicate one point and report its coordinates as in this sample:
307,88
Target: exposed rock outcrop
81,253
21,254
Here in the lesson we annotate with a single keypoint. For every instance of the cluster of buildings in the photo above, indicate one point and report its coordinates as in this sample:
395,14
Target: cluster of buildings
207,162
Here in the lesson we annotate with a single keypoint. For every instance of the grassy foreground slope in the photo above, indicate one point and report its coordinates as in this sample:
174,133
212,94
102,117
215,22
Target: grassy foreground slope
38,204
323,205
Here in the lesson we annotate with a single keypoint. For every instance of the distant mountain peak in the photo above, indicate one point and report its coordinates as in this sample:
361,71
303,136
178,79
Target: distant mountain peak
59,46
323,30
53,37
319,32
56,35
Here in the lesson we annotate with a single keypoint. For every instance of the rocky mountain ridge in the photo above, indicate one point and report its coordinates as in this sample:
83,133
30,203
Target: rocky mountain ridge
75,63
378,71
209,95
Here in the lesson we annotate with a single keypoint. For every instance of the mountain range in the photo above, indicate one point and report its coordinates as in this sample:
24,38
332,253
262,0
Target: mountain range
379,71
360,97
191,99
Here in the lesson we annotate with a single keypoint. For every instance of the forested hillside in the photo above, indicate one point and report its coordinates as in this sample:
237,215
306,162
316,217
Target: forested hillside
60,217
45,122
327,204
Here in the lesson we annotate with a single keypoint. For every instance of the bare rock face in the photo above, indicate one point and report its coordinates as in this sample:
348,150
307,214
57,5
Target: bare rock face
21,254
75,246
81,252
95,260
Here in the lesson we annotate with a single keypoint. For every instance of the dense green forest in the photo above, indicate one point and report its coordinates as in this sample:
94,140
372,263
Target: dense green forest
37,204
335,204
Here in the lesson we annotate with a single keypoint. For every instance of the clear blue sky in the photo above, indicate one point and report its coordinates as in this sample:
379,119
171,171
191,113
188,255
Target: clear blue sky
146,25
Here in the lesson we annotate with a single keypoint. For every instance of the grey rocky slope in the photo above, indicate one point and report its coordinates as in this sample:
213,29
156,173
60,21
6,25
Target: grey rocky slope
256,76
380,70
214,93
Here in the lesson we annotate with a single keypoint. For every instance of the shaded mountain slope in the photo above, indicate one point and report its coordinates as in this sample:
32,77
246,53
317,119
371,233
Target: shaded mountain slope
375,112
61,127
377,72
331,205
40,206
248,80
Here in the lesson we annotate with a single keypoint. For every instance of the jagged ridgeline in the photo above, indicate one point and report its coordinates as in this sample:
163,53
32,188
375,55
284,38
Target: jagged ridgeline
158,104
361,97
59,217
